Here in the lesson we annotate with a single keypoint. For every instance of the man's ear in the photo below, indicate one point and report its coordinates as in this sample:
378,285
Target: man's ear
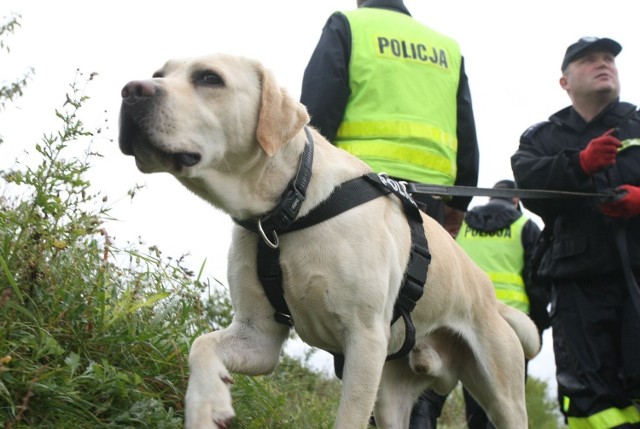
280,117
563,82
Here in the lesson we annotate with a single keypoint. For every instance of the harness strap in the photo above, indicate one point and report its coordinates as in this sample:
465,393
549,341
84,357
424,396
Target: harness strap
415,276
416,273
270,275
268,258
346,196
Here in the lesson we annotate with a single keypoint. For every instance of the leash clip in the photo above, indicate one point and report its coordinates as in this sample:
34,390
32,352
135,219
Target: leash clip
613,195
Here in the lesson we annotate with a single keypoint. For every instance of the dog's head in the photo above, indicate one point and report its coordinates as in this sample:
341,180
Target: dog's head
206,113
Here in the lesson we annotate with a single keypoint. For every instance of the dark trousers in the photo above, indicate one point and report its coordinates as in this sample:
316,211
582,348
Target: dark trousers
596,340
426,410
476,417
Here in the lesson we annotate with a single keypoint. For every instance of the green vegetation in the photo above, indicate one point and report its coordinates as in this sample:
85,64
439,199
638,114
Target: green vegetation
9,91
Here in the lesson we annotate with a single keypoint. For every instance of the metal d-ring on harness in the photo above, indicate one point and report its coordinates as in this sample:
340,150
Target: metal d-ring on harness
349,194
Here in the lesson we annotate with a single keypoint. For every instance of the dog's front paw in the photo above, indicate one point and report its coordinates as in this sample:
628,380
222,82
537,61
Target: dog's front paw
208,402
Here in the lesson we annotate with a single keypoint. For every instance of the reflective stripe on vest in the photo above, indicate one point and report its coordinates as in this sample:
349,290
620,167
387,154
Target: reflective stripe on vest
401,117
501,255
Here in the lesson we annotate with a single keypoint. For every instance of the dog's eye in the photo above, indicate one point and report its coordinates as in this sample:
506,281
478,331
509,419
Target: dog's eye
157,75
208,77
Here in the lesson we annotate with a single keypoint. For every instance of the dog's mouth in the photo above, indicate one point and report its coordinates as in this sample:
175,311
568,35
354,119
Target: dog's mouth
150,157
138,138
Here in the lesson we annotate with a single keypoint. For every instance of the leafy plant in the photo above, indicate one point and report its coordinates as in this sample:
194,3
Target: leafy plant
85,340
9,91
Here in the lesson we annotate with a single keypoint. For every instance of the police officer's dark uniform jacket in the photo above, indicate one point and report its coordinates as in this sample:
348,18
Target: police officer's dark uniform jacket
595,326
582,239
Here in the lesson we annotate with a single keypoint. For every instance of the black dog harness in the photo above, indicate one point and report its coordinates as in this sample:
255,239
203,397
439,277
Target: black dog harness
283,219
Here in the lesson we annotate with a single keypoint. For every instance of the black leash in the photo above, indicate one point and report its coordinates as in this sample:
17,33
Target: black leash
470,191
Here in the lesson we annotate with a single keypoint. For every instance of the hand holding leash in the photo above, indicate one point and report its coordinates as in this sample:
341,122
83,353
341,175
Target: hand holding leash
626,205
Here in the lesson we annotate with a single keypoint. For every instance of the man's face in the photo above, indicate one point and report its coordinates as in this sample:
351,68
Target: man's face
594,74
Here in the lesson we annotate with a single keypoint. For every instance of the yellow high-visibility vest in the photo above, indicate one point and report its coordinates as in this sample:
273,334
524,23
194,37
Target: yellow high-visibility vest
500,254
401,116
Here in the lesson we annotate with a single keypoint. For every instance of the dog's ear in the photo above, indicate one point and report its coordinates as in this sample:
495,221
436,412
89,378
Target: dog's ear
280,117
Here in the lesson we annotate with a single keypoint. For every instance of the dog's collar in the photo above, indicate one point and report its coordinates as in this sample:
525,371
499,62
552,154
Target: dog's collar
282,216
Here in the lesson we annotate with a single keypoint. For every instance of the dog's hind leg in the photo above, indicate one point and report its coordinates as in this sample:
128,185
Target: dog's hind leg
496,379
399,389
246,348
433,363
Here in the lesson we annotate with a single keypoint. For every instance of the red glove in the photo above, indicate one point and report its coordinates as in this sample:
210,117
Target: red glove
626,206
600,153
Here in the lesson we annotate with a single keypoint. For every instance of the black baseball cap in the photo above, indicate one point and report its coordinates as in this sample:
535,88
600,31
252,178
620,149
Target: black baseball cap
589,44
505,184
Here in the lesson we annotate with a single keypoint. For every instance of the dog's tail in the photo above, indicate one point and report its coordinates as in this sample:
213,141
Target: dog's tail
524,327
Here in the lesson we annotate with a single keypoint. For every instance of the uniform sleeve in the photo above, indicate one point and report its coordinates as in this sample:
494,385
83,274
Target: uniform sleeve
530,235
325,84
468,151
538,295
539,164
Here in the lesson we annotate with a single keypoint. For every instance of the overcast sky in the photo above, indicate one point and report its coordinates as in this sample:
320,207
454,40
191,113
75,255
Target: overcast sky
513,51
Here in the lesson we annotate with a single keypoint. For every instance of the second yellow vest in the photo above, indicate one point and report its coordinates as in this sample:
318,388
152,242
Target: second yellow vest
500,254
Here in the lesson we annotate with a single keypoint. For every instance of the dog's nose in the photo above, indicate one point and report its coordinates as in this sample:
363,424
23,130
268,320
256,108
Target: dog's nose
139,89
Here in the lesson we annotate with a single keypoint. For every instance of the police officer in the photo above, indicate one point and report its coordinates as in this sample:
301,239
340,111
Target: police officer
501,241
592,260
394,93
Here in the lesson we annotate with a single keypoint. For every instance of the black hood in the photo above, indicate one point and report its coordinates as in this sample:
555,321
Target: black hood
494,216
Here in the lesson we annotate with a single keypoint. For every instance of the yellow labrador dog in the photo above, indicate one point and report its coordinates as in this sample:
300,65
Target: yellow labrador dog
224,128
